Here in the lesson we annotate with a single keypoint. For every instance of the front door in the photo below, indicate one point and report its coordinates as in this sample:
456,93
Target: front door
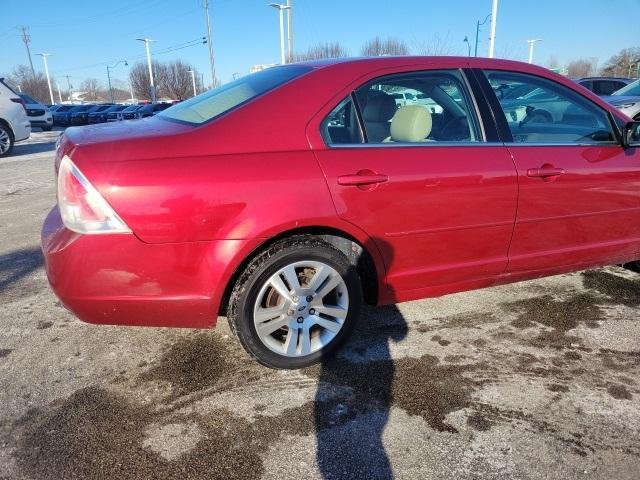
579,200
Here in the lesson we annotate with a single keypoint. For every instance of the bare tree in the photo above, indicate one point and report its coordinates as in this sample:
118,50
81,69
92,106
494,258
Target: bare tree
436,46
623,63
321,50
139,79
177,84
582,67
377,47
93,90
172,80
36,86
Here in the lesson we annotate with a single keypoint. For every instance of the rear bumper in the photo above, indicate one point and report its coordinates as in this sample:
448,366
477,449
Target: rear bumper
118,279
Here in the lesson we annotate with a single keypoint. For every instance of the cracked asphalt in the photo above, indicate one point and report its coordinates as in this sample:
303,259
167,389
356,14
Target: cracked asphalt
532,380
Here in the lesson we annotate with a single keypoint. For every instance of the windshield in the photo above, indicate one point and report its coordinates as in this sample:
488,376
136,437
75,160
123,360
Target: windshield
28,99
633,89
213,103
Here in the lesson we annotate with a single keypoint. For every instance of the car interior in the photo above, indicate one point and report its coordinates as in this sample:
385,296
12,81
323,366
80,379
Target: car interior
541,111
438,112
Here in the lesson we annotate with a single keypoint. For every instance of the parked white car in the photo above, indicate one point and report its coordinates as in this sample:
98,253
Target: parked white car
14,123
39,114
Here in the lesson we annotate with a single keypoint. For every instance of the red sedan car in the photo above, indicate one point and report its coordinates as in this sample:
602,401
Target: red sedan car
288,197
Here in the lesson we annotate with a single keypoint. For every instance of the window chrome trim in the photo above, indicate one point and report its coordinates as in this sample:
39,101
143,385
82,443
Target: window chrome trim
532,144
416,144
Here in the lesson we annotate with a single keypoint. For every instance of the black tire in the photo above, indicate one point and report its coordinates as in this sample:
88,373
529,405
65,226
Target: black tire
46,129
4,130
261,268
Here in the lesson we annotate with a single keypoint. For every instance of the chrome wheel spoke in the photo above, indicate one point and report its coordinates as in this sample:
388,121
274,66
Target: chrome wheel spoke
291,342
320,276
291,277
332,311
333,282
265,314
268,327
328,324
305,341
277,283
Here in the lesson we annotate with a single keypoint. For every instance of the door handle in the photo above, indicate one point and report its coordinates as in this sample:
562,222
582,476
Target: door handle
545,172
363,177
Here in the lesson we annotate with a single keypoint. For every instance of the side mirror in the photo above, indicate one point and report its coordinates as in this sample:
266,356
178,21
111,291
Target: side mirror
631,135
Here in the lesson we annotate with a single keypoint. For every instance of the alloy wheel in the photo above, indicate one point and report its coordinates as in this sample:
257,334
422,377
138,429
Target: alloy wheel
301,308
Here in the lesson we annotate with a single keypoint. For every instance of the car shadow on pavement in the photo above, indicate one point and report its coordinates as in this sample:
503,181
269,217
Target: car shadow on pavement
31,148
355,394
16,265
354,399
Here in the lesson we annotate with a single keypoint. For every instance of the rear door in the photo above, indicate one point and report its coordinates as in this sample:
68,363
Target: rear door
437,198
579,201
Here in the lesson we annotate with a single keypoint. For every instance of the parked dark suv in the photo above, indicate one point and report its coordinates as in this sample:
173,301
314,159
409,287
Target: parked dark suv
603,85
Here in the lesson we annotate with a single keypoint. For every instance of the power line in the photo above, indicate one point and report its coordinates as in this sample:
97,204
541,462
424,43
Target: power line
169,49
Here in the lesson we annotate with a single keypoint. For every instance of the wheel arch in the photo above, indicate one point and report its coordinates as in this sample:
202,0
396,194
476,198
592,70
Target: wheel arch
7,124
361,252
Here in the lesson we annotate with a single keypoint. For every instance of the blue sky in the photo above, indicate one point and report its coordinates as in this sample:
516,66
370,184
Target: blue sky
83,35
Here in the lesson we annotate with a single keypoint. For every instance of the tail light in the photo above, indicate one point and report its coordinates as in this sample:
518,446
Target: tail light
21,101
82,208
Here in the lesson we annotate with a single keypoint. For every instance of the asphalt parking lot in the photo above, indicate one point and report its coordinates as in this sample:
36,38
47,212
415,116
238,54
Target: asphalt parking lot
533,380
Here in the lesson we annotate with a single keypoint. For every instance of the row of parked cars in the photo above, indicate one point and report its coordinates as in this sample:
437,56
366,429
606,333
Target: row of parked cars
72,115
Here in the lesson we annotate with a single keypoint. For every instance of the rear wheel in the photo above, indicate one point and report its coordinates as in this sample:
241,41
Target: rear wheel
295,303
6,140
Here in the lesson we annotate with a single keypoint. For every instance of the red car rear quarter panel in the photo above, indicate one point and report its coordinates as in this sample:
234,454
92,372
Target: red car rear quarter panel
217,197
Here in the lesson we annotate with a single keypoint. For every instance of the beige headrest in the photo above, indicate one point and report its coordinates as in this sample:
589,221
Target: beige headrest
411,123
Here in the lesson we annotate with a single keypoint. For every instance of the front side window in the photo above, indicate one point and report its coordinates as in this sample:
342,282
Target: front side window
435,107
538,110
213,103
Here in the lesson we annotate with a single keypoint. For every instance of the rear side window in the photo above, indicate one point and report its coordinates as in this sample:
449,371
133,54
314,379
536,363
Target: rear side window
549,113
213,103
434,106
341,126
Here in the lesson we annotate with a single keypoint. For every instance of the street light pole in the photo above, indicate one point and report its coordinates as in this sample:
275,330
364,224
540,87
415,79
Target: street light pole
531,43
466,40
46,71
193,81
153,87
109,76
281,8
478,25
290,31
59,93
494,20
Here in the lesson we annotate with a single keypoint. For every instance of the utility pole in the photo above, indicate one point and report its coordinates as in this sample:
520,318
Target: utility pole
210,44
478,25
153,87
193,81
68,86
494,20
109,76
46,71
26,38
281,8
290,30
531,43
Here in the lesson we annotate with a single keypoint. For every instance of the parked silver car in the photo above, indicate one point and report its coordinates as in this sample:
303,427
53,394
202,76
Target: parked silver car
38,113
627,99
